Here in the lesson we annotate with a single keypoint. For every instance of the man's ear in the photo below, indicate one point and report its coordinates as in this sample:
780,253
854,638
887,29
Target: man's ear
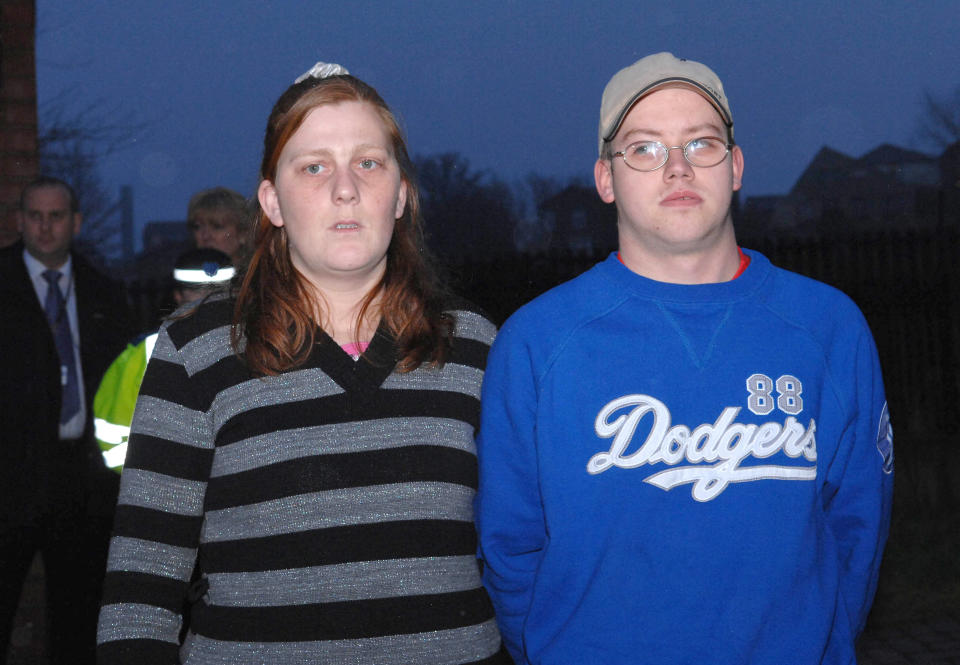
267,195
77,222
603,177
736,158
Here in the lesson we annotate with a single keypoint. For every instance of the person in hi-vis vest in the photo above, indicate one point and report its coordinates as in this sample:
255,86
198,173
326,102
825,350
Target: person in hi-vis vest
197,273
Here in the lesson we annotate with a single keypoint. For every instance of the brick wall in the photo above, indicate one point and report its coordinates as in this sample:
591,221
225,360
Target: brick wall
18,108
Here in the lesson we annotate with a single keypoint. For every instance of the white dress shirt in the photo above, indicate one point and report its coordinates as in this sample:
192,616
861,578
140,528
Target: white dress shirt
73,428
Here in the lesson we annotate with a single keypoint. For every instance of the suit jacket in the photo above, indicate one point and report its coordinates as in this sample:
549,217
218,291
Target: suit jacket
38,473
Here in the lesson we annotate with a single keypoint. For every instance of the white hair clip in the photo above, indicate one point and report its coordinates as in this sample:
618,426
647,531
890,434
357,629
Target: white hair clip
322,70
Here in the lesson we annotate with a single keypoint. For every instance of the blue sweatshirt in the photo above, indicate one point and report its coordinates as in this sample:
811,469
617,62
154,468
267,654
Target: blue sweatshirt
684,473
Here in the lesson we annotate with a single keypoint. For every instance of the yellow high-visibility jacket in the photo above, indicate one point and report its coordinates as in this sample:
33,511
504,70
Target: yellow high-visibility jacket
116,398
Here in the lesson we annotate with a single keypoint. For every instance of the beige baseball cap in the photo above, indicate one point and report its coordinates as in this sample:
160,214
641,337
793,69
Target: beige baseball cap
651,73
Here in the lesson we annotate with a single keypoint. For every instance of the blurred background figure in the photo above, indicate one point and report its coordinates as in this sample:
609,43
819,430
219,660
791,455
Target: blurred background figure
62,324
218,219
198,272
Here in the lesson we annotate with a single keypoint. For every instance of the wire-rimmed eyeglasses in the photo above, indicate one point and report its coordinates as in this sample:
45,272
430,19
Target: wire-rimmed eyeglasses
703,151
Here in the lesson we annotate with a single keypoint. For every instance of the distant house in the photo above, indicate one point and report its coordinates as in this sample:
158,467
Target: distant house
889,188
950,185
580,222
158,235
163,242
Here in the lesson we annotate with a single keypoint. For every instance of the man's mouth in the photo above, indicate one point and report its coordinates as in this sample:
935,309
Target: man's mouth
682,197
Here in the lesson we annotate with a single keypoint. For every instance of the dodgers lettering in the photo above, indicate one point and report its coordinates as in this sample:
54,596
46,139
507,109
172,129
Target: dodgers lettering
725,442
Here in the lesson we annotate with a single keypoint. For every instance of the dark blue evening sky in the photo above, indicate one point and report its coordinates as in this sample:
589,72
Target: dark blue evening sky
513,86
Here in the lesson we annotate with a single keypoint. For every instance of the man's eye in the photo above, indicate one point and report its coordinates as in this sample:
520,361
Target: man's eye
314,169
706,144
643,149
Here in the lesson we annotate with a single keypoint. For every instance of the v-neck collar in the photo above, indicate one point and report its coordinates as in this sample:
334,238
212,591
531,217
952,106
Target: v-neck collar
363,376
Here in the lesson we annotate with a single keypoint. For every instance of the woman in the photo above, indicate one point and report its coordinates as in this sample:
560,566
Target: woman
217,219
307,444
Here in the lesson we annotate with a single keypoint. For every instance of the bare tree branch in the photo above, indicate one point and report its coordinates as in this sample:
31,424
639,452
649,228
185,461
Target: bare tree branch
73,140
940,122
466,211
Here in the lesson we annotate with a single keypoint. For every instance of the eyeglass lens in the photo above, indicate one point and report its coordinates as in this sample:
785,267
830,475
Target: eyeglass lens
704,151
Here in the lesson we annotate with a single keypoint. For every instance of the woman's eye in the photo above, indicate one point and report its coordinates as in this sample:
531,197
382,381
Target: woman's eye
368,164
314,169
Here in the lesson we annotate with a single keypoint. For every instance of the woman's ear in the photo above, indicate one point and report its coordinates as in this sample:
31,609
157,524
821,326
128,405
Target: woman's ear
401,201
267,195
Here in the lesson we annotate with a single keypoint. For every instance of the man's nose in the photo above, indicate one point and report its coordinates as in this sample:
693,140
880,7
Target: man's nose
676,163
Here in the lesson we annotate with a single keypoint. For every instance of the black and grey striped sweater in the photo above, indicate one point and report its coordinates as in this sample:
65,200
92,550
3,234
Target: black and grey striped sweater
329,510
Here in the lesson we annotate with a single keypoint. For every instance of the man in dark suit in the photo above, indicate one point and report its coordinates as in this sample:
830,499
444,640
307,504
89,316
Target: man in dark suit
62,323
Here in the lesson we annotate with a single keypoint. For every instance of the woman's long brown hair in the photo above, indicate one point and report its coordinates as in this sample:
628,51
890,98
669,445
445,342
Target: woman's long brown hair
273,322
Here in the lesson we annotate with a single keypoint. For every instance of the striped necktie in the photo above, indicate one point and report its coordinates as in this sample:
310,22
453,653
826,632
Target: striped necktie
56,309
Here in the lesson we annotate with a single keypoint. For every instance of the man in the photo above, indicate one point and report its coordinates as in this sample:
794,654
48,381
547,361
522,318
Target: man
197,273
685,455
217,219
62,324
